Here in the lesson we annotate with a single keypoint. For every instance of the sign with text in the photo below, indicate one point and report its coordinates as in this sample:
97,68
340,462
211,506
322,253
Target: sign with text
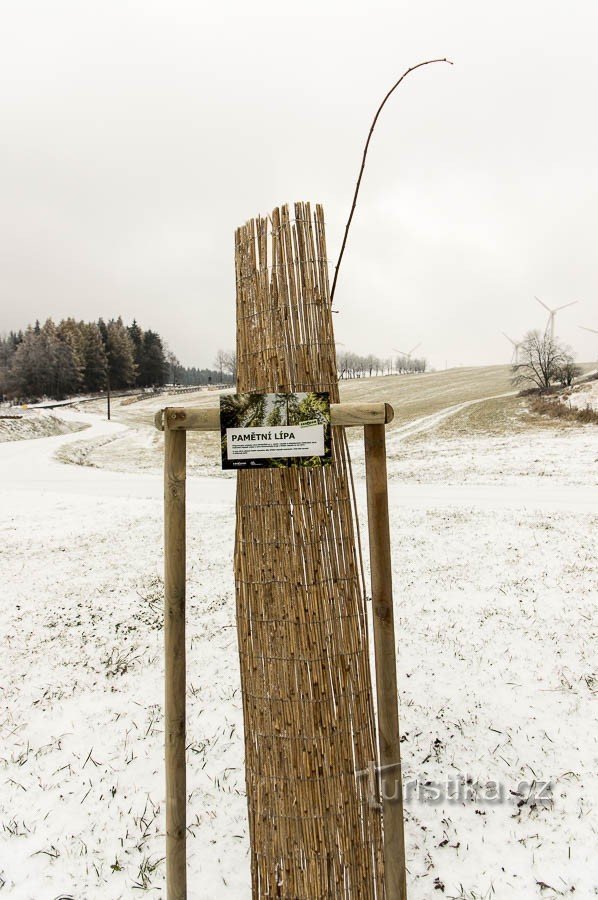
275,430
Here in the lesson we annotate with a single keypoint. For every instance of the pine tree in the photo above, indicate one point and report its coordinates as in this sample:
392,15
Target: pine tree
58,356
67,373
275,417
313,406
103,328
136,335
154,367
30,372
121,355
8,346
288,406
96,360
70,359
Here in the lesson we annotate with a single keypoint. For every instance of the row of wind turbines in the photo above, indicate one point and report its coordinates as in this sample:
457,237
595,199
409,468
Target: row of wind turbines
549,327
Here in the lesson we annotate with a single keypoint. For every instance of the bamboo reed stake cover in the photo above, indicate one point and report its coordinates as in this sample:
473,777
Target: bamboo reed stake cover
302,629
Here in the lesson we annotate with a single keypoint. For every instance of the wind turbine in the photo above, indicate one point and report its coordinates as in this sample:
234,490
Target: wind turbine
552,313
516,346
407,355
591,330
411,352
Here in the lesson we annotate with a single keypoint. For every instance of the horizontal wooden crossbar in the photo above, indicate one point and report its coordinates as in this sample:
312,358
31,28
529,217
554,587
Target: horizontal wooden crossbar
197,418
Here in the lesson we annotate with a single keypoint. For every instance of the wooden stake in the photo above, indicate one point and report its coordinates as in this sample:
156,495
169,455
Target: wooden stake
174,646
386,668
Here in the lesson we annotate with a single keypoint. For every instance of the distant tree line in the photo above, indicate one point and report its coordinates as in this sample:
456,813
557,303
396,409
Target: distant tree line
72,357
191,375
224,371
76,357
352,365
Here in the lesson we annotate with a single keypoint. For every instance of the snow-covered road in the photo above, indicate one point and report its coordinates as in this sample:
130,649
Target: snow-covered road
33,466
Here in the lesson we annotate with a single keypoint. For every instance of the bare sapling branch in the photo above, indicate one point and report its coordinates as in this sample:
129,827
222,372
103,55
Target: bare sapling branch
427,62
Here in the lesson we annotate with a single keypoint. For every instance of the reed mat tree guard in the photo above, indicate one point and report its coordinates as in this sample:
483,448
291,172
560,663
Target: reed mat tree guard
301,619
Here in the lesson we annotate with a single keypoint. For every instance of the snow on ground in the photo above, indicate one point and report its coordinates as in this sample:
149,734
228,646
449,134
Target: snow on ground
21,424
525,458
538,458
496,585
585,396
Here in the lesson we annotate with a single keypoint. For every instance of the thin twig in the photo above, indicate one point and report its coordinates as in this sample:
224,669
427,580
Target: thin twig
428,62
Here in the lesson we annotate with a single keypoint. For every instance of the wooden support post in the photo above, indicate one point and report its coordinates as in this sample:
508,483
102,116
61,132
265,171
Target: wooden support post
174,645
391,782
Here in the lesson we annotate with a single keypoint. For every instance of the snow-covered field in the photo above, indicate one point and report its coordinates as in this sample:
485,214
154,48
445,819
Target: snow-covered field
496,584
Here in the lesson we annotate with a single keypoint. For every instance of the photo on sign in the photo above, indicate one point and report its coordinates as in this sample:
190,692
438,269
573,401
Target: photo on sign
275,430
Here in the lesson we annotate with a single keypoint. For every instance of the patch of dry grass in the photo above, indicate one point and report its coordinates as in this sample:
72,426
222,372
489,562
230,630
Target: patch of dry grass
508,415
556,409
498,416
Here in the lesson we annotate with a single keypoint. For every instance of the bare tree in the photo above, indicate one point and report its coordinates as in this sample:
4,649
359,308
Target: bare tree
568,372
343,364
230,363
220,362
174,365
540,361
402,364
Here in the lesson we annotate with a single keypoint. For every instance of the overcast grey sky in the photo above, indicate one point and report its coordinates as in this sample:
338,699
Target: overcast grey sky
137,135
